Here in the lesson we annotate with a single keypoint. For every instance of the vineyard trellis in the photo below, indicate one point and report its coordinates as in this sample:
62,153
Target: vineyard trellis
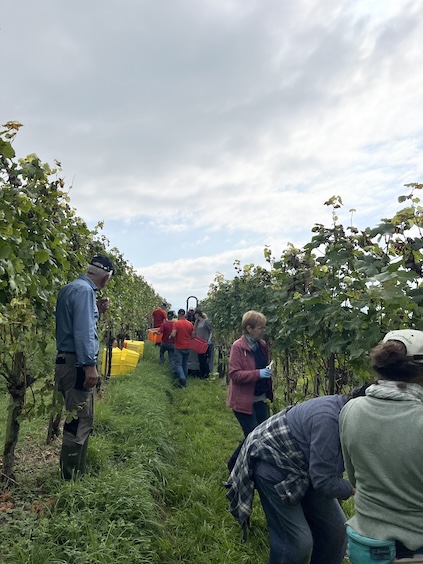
43,245
330,302
327,303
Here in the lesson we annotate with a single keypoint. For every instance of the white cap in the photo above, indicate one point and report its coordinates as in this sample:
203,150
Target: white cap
411,338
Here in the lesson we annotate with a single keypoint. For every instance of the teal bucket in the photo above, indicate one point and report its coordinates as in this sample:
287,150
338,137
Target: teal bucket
364,550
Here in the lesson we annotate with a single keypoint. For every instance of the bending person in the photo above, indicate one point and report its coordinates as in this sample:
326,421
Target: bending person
294,460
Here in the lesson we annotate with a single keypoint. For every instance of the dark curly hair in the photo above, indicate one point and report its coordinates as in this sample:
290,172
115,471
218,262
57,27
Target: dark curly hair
389,360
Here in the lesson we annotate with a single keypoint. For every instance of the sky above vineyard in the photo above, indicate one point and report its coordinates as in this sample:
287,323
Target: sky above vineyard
201,131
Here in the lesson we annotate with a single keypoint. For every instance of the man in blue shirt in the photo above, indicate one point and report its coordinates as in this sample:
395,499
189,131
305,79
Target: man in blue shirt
77,311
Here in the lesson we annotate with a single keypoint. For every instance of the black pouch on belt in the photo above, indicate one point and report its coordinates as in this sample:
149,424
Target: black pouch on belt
80,379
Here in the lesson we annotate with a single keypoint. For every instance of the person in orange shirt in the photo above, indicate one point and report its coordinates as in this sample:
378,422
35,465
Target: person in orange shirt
183,332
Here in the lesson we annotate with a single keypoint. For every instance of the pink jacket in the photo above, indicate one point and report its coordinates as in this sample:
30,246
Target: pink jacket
243,376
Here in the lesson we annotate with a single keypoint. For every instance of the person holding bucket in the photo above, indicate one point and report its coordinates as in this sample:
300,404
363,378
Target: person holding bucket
203,330
167,344
382,442
182,332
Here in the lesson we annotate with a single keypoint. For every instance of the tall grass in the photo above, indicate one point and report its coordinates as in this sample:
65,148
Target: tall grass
199,526
154,492
112,514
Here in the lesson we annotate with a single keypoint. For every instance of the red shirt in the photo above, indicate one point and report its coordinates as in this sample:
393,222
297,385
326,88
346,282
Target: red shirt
183,336
158,315
166,329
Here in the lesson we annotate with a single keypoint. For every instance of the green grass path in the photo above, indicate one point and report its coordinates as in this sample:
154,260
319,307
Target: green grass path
199,526
154,493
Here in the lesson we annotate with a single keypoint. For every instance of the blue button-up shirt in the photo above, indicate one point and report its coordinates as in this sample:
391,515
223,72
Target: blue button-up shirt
76,320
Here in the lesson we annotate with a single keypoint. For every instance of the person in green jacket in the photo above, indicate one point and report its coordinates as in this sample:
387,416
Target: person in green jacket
382,442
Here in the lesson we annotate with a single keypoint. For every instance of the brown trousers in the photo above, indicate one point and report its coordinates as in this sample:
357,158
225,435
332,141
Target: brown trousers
79,402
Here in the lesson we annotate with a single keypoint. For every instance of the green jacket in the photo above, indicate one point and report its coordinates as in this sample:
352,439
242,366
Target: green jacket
382,443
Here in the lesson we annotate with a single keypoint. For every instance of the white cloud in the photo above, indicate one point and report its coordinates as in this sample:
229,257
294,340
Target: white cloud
185,277
203,129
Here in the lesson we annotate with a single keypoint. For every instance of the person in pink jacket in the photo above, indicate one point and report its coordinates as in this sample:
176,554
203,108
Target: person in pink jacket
250,378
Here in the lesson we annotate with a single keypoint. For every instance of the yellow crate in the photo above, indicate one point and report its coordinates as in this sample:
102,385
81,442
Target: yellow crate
115,369
129,361
137,346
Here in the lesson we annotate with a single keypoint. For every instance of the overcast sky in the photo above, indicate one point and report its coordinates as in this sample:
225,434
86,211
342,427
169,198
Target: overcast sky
202,130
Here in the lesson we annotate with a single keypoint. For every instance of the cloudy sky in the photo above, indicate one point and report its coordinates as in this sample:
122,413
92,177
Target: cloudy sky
202,130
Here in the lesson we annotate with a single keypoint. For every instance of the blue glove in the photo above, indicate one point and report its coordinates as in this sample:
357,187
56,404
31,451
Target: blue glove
209,341
265,373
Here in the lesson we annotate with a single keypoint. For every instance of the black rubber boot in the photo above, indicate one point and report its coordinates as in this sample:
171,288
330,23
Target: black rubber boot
83,459
70,461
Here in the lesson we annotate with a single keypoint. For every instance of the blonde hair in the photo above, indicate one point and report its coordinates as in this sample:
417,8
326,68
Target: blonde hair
252,318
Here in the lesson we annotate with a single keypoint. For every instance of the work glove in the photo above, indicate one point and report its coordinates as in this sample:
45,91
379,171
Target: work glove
265,373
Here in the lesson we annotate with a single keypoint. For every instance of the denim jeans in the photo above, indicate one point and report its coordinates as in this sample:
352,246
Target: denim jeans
181,364
170,348
312,531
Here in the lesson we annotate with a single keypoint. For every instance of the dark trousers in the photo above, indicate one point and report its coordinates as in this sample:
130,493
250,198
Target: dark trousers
203,360
248,423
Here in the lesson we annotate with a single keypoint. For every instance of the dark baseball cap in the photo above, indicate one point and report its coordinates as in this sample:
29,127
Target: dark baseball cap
103,262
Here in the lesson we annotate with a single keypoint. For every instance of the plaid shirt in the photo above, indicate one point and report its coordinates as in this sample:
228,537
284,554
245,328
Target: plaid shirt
272,442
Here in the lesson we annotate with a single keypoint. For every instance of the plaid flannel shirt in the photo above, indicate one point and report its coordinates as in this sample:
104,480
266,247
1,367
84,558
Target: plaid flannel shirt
270,441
